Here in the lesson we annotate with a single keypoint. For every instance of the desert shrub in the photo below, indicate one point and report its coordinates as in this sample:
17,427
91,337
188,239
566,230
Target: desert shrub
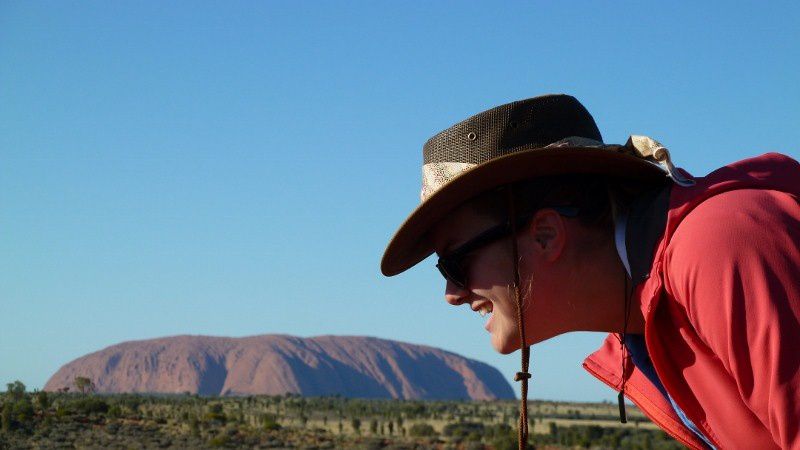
114,411
474,437
17,414
215,413
421,430
371,444
400,446
474,444
6,417
23,411
61,411
499,429
503,437
131,402
462,429
219,441
89,405
43,400
622,438
270,422
16,390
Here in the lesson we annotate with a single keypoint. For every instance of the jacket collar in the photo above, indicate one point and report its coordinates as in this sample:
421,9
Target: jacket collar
645,225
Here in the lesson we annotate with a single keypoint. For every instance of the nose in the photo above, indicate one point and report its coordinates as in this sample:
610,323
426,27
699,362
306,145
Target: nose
455,295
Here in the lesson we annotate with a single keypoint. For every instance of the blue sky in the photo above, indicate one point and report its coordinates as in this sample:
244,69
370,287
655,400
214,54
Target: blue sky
237,168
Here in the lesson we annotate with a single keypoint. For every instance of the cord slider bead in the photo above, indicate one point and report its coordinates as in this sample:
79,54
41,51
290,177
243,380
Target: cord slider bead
521,375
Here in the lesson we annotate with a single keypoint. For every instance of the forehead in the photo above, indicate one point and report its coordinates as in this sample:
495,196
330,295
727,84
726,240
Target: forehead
458,226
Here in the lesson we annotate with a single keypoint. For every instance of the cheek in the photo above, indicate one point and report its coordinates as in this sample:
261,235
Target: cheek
507,308
490,269
505,335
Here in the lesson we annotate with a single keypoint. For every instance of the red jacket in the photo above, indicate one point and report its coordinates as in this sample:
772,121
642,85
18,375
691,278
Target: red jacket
721,304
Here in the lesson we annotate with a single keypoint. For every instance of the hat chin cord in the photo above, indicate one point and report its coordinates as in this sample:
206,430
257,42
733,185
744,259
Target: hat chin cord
623,417
523,376
626,312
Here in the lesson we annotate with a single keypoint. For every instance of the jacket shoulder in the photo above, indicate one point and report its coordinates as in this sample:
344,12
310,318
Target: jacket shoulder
737,234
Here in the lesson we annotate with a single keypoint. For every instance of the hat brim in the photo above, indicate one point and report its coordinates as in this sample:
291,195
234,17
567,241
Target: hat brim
410,245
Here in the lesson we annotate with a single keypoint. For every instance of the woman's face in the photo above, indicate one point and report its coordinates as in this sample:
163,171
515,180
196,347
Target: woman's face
489,273
571,277
549,285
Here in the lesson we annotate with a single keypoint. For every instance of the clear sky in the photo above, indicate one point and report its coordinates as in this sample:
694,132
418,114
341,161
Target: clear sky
237,168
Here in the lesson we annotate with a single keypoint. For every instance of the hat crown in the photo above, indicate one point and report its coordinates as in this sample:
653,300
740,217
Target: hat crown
519,125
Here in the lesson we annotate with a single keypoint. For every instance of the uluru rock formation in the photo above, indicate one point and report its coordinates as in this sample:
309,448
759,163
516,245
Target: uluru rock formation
351,366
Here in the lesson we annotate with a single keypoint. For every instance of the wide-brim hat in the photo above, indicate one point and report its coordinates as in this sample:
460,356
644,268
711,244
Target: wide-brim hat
541,136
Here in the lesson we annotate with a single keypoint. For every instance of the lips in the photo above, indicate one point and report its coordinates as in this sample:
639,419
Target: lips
483,308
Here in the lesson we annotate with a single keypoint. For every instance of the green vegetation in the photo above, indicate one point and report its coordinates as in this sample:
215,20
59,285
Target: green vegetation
82,419
83,384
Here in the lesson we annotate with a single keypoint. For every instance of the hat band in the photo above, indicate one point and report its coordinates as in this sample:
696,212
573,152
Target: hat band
437,174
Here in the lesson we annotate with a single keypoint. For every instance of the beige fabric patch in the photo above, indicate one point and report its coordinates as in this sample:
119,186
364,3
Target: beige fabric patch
436,175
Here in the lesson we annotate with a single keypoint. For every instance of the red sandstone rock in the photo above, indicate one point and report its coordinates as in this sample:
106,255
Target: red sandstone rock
352,366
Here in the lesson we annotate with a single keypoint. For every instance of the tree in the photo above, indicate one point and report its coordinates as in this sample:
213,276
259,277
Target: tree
356,424
6,417
43,400
16,389
83,384
373,427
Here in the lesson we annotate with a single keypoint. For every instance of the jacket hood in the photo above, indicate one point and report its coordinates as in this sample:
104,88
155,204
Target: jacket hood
772,171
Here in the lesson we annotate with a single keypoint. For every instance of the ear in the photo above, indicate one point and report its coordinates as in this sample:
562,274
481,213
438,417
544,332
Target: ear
547,234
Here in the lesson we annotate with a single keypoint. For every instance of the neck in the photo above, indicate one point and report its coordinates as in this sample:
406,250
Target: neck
604,293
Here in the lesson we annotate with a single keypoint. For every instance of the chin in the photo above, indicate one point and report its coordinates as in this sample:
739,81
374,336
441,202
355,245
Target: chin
506,344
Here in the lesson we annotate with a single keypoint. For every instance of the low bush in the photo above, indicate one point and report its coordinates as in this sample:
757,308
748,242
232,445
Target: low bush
89,405
421,430
462,429
270,423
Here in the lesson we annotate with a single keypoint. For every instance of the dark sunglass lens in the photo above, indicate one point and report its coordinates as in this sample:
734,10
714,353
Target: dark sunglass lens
451,271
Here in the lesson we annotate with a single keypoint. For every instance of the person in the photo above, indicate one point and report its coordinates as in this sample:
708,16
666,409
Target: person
547,229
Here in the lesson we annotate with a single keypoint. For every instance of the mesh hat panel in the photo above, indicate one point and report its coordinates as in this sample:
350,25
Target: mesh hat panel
496,132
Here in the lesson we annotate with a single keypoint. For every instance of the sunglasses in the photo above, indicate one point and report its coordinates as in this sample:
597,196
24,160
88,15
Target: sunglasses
453,265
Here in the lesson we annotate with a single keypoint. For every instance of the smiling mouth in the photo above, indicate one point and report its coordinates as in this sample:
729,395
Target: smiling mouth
484,309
